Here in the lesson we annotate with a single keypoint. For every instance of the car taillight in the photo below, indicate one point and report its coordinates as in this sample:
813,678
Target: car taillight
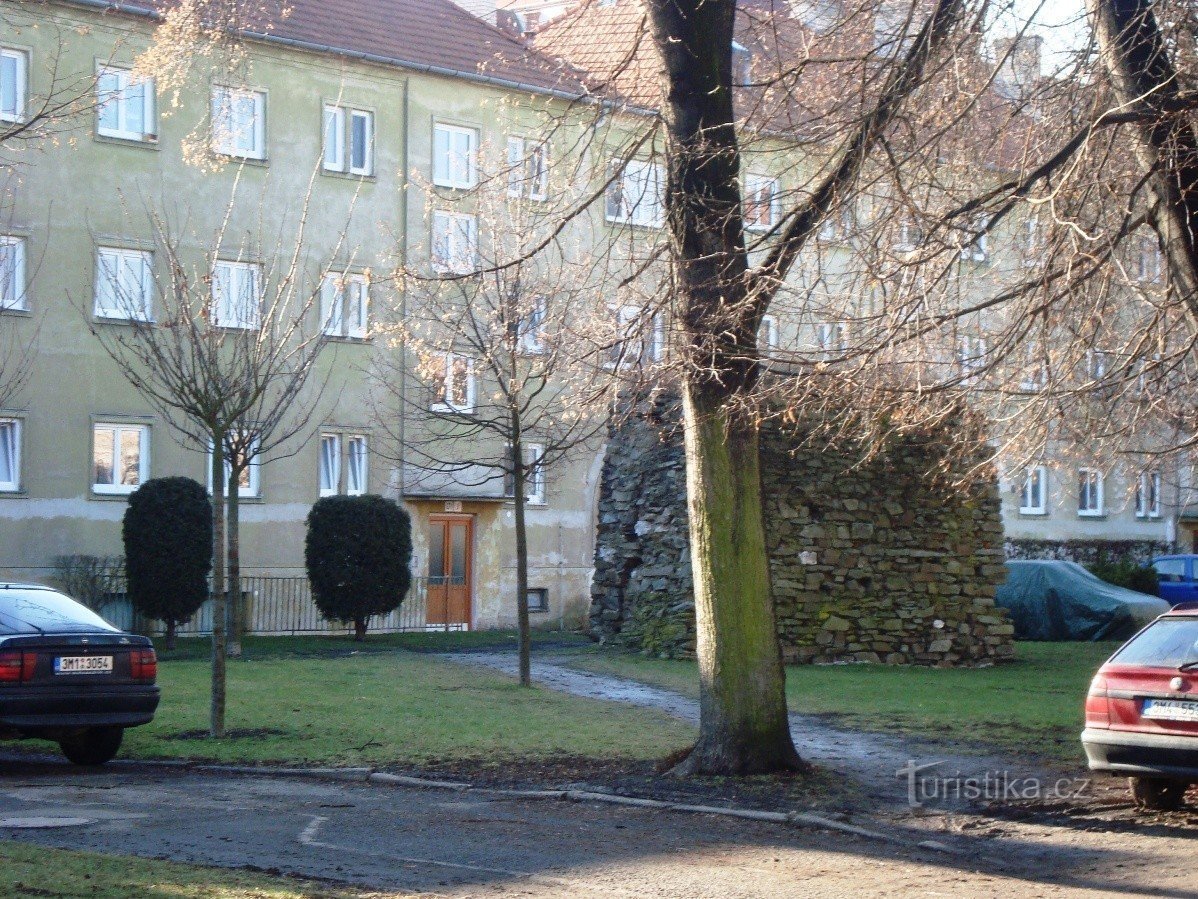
17,667
143,665
1098,709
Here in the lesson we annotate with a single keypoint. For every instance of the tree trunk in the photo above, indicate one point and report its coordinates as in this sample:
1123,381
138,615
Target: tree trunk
216,726
518,480
236,611
360,629
1136,54
171,631
744,727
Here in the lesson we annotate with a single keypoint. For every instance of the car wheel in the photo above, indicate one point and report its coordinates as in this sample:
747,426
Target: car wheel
1159,794
94,746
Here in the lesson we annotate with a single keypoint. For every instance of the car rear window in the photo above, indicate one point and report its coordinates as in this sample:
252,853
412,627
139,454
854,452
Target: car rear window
31,611
1166,643
1170,570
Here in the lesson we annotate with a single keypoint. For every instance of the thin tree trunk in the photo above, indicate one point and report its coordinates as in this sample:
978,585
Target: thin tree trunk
359,629
171,631
518,480
742,683
216,726
236,612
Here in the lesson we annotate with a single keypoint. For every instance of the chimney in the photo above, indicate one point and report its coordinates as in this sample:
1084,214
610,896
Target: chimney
1018,59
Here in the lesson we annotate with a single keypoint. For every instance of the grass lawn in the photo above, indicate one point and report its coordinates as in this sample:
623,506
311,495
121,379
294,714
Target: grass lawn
30,870
1032,705
385,708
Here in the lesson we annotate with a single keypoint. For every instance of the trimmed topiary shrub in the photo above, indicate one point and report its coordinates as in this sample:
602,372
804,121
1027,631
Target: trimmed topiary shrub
1128,574
359,553
167,532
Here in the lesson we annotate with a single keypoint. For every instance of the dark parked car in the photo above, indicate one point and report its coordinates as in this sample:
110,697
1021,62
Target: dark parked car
68,675
1176,578
1142,710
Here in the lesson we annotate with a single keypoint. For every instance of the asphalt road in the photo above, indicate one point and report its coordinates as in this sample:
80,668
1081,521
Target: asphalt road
480,844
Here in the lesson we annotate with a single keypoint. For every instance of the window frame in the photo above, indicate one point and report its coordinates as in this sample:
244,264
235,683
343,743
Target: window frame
143,455
1148,495
241,324
1098,479
18,425
253,489
769,323
336,440
444,402
343,116
1025,494
521,183
450,266
334,290
753,182
535,477
21,92
224,144
631,212
146,310
20,283
149,101
542,606
349,440
447,178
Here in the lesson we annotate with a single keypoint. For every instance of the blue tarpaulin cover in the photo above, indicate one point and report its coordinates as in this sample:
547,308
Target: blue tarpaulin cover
1053,600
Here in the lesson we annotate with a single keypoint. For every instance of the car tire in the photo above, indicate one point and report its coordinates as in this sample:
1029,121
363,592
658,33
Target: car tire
94,746
1158,794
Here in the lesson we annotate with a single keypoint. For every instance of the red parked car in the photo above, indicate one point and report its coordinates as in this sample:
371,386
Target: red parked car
1142,711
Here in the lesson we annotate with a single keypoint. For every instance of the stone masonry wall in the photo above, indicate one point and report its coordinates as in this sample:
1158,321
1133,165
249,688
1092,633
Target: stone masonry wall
868,563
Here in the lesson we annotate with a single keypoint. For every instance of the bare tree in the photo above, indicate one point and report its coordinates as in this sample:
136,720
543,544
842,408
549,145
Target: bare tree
505,367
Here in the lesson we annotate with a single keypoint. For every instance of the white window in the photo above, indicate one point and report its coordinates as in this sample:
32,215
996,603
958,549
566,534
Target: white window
249,484
767,335
534,475
528,168
455,242
977,248
120,457
1148,260
345,305
124,284
1148,495
634,194
455,156
239,122
830,337
1033,495
348,149
630,347
1096,364
10,455
531,330
760,202
330,464
12,273
236,294
357,465
453,386
14,75
125,105
839,224
1089,492
971,355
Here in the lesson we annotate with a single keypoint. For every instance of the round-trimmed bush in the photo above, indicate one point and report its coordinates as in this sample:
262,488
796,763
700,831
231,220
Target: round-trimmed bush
359,553
167,533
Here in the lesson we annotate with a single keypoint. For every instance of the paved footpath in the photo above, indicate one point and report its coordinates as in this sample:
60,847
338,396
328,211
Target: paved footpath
872,759
475,843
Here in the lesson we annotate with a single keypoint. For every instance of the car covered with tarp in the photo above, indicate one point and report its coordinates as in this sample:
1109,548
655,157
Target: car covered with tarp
1055,600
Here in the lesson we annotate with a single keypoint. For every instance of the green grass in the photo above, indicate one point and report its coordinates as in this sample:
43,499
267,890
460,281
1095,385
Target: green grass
1032,705
387,709
29,870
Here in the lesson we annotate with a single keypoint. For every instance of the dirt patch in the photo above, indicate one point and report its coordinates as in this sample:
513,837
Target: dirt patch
237,733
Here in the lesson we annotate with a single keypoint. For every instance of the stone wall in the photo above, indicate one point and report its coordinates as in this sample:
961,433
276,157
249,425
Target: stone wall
870,561
1088,552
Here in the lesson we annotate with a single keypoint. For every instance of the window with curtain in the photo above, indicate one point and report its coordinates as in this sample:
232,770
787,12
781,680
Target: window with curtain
330,464
10,455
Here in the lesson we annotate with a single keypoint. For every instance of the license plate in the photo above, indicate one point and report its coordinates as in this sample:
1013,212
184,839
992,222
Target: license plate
1170,710
83,665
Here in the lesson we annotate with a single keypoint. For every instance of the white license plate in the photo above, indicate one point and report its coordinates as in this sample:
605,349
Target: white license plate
83,665
1170,710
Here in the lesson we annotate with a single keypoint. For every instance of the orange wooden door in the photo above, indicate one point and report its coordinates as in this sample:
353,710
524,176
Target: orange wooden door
450,545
